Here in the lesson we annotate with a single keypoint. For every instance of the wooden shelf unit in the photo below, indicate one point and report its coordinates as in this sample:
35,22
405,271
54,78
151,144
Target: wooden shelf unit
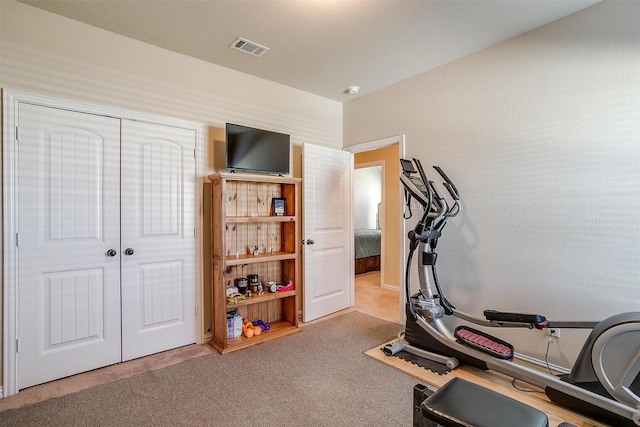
241,219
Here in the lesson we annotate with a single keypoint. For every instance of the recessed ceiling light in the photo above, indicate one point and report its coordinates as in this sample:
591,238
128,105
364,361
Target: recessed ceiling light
353,89
247,46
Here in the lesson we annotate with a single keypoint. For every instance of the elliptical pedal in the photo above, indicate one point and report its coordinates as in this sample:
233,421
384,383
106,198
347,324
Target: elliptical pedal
484,342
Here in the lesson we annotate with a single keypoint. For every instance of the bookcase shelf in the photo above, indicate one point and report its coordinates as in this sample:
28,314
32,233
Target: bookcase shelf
251,259
247,238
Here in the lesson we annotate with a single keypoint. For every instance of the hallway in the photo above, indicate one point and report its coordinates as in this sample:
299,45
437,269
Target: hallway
375,300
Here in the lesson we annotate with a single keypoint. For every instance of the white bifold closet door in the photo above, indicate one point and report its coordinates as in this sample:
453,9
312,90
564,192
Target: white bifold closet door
158,225
89,188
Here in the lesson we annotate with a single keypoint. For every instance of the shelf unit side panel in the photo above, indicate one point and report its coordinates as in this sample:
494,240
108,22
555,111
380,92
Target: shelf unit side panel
219,306
289,192
217,221
296,248
289,307
289,271
289,236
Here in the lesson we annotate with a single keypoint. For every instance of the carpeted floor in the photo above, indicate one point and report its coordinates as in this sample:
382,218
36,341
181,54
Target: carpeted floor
320,377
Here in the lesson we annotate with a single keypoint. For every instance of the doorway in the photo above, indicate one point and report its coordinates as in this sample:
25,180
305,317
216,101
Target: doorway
368,223
378,292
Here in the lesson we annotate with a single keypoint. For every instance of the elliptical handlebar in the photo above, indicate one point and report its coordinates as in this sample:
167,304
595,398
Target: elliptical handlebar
438,210
453,191
448,184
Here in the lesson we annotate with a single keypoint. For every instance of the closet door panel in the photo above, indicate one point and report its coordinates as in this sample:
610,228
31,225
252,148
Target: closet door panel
68,210
158,220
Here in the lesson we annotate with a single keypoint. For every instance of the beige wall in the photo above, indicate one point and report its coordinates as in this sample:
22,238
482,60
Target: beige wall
51,55
389,155
541,134
46,54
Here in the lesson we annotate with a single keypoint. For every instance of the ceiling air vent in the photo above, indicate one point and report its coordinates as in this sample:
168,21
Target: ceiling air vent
247,46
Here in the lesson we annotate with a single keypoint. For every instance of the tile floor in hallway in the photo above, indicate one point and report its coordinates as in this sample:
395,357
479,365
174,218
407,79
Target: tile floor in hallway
375,300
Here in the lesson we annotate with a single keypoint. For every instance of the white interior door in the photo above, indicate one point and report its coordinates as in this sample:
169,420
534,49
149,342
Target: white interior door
158,238
68,285
327,185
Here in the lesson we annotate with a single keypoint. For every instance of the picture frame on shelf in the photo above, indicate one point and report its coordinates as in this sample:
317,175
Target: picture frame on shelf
278,206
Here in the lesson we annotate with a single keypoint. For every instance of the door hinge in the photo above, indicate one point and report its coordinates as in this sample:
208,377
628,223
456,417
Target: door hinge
17,240
195,310
17,133
194,154
17,345
195,232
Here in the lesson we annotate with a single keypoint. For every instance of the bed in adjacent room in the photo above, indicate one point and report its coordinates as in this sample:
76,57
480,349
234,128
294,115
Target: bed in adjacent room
367,250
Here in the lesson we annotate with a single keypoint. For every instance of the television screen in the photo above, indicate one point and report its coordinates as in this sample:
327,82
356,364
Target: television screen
257,150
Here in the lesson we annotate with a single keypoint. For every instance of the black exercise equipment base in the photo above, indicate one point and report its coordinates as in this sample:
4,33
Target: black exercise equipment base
418,337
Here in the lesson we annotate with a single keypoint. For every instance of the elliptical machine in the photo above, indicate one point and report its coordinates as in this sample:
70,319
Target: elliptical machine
604,382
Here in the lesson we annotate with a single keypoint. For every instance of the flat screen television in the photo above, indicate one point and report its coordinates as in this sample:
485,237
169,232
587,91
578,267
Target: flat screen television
257,150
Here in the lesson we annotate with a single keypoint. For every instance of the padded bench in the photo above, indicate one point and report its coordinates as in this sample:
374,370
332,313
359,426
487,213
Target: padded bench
460,403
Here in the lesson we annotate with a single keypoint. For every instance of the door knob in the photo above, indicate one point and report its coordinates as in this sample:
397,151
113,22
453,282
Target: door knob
112,252
128,251
310,242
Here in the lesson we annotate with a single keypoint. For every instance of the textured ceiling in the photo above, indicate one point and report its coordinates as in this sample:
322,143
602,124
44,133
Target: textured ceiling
321,46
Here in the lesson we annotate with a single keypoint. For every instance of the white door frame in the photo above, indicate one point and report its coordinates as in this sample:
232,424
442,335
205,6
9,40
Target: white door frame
374,145
10,101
